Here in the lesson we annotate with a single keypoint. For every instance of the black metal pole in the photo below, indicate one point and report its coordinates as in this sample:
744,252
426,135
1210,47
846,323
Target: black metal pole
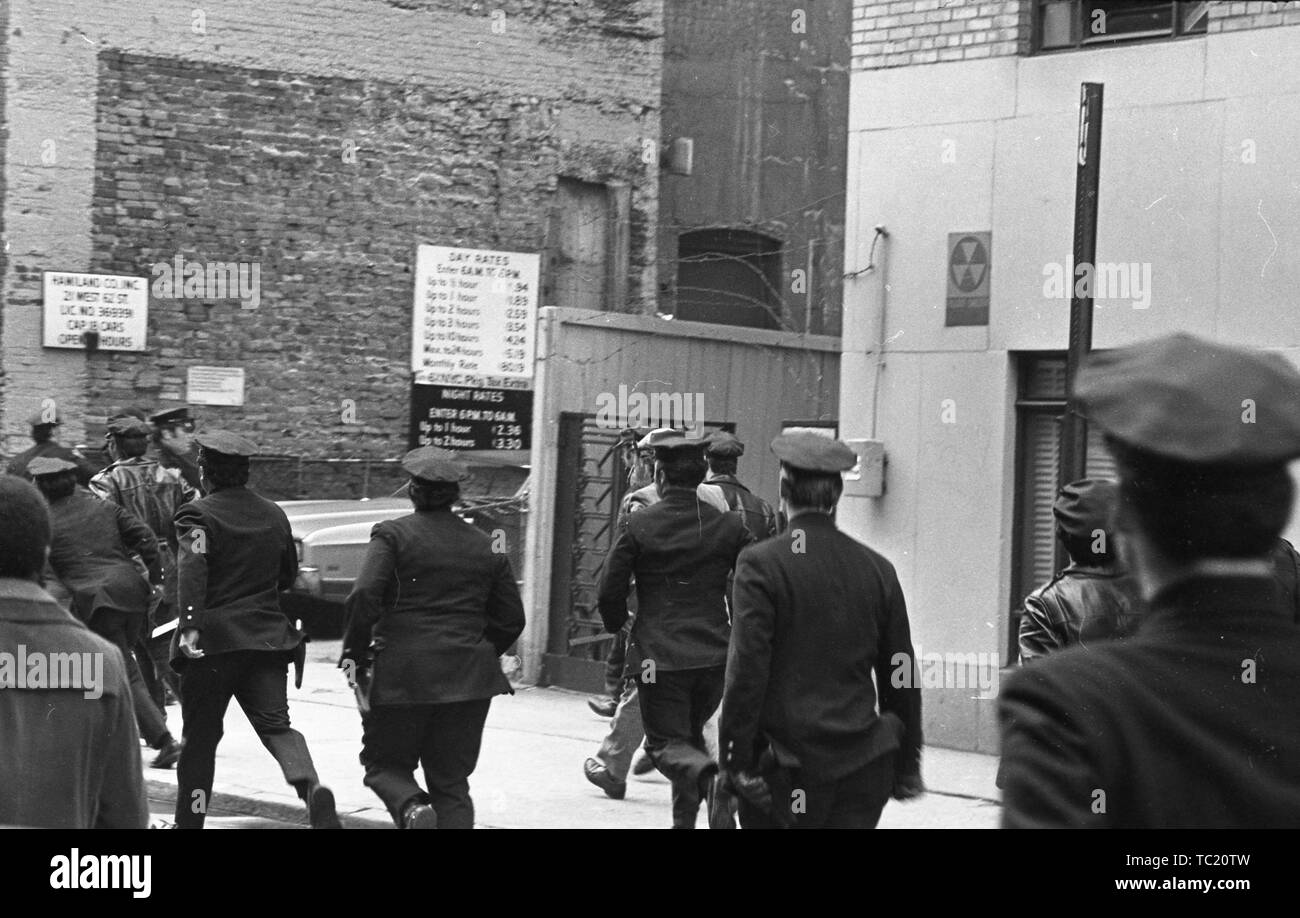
1074,429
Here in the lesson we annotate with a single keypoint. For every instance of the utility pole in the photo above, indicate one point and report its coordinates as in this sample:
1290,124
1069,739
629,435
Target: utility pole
1074,428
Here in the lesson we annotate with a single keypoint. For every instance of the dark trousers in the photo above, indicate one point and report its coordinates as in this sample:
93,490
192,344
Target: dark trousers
257,680
674,708
443,738
122,628
614,666
852,802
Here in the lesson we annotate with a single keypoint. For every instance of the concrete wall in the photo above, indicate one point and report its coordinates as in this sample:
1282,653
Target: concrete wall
1198,181
753,377
224,133
763,92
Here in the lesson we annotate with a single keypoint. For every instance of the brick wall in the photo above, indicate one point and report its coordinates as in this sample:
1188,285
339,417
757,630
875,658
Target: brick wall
1230,17
230,146
904,32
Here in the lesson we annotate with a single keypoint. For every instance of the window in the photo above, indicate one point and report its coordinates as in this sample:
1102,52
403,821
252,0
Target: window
1039,408
729,276
1066,24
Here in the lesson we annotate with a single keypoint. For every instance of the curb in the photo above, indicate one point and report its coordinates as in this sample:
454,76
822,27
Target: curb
237,805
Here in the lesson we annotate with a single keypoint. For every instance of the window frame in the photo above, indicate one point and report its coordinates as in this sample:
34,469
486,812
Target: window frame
1080,43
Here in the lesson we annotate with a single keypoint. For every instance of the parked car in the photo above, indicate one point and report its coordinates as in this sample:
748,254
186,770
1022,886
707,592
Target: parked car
332,537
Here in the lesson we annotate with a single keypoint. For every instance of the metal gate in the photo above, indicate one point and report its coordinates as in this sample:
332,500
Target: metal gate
590,483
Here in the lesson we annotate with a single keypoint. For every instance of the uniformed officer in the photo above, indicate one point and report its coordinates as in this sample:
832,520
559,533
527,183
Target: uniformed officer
153,494
434,607
43,425
816,614
723,452
1093,598
681,551
91,555
236,554
174,445
1192,721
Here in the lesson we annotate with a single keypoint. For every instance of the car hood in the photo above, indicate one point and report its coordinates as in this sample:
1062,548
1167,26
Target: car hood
308,516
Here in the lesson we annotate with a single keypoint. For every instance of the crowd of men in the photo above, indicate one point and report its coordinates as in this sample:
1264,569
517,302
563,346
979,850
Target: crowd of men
757,652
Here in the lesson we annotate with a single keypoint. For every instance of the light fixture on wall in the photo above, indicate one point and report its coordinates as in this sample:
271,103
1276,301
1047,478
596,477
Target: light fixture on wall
679,157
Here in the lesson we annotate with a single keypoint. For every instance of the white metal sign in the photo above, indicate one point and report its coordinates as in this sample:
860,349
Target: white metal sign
215,386
114,306
475,317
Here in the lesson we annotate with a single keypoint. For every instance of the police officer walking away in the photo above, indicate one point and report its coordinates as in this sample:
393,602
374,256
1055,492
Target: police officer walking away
233,641
45,446
723,452
816,613
432,610
681,551
1192,721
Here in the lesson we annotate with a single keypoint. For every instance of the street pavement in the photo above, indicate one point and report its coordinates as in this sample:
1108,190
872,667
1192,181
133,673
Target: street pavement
529,773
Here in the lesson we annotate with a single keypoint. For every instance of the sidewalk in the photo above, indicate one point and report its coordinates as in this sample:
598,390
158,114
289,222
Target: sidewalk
529,773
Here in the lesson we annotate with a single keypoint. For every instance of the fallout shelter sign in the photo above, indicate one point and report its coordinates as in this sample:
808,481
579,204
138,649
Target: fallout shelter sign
968,279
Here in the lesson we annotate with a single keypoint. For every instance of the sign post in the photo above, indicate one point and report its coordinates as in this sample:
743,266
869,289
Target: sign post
1074,428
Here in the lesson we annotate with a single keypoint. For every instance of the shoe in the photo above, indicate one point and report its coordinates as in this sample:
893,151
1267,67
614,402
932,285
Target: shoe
419,816
168,755
641,763
599,775
602,705
320,808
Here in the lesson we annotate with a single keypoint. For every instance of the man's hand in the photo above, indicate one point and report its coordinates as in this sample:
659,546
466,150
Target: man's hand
189,643
908,787
752,787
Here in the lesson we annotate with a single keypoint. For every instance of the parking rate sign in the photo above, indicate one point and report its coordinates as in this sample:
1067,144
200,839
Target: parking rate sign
115,307
474,317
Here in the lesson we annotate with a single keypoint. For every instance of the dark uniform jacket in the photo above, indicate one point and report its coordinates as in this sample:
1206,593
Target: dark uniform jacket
67,761
810,627
1080,604
440,605
758,513
681,550
90,555
152,494
51,450
236,555
1192,722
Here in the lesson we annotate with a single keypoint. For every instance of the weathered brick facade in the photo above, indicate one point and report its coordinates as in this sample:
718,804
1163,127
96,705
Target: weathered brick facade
899,33
322,141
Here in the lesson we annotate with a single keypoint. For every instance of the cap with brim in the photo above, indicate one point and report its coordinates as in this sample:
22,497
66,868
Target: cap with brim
678,442
813,453
225,443
49,465
1195,401
651,440
170,416
1082,507
434,465
128,426
724,445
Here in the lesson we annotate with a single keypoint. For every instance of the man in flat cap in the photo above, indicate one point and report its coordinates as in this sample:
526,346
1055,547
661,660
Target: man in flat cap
723,452
433,609
42,425
235,556
804,742
153,494
1093,598
93,551
173,444
681,550
1190,722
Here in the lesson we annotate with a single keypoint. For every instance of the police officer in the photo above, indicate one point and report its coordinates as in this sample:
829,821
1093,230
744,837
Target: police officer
92,554
153,494
174,445
681,551
432,610
236,554
723,452
1093,598
816,614
42,425
1190,722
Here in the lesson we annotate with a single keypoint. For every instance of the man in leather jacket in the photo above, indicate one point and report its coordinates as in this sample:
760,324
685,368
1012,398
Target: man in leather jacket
1093,598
